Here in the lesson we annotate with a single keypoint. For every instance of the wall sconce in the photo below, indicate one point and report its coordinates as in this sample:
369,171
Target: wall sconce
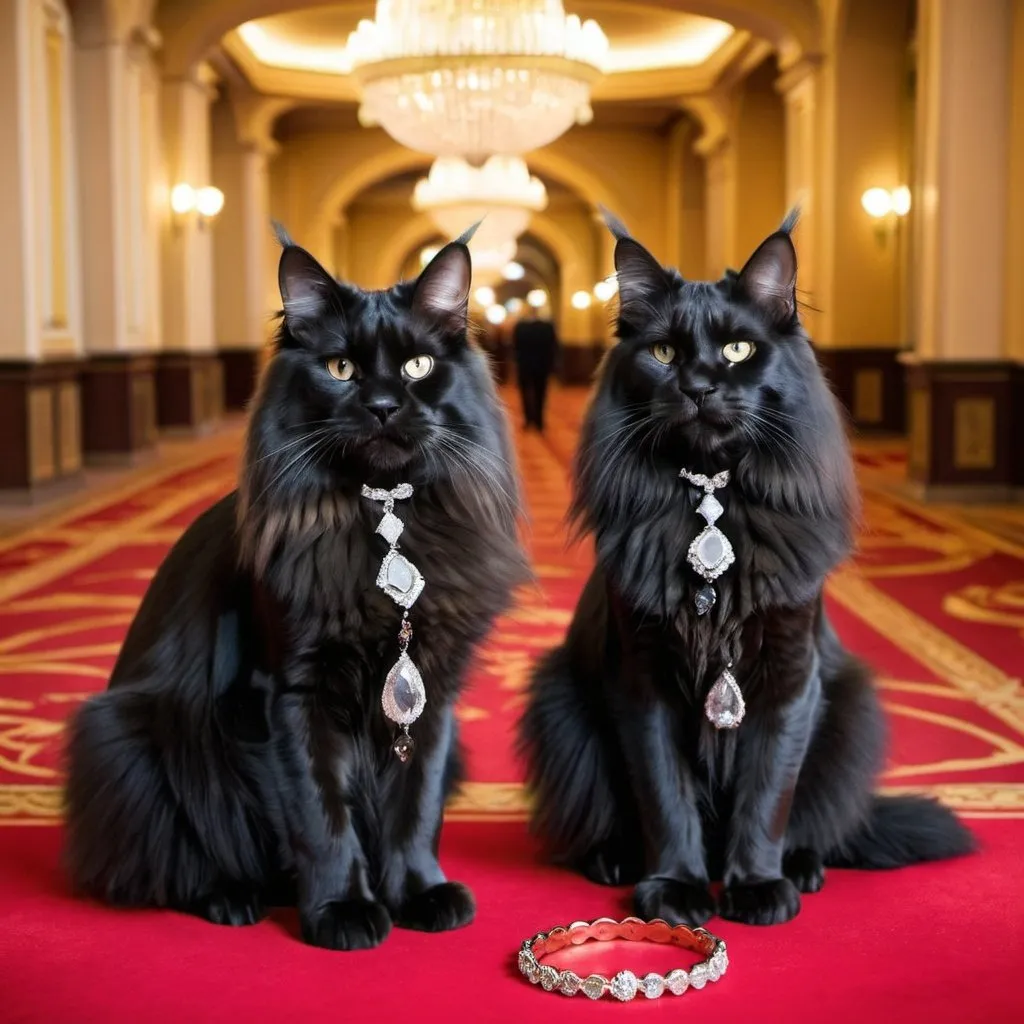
205,202
885,206
604,290
580,300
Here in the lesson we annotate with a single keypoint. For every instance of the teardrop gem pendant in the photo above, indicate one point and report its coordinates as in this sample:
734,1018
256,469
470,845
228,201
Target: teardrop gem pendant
725,707
404,696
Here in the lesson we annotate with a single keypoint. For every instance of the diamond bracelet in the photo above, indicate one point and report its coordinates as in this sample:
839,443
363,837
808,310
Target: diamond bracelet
624,985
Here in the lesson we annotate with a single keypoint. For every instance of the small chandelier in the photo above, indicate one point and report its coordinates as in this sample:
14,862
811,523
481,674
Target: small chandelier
489,263
474,77
502,193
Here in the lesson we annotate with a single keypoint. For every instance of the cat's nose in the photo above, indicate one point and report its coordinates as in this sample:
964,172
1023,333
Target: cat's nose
383,407
699,393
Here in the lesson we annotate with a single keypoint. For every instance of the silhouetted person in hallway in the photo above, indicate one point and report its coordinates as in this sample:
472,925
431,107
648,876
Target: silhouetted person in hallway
536,346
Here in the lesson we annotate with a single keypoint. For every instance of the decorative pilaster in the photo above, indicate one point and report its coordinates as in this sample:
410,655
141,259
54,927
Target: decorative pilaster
117,92
803,92
961,381
183,374
40,286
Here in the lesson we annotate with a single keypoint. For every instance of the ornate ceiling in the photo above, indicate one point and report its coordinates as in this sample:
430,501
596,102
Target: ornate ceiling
656,51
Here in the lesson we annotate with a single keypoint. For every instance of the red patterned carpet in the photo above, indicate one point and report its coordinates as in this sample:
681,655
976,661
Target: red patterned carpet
934,600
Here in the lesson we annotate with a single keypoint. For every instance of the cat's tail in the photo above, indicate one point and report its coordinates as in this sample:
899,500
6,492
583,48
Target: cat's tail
902,830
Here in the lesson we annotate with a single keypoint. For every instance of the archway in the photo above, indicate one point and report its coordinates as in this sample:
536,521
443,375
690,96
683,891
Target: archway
389,160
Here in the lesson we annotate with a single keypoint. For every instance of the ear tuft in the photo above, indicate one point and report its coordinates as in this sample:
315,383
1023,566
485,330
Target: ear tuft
791,220
467,236
281,234
306,287
441,294
768,279
614,225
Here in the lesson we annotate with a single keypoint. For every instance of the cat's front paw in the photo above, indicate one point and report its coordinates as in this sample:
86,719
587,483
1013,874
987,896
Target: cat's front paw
688,903
610,863
438,909
771,902
804,869
346,925
235,907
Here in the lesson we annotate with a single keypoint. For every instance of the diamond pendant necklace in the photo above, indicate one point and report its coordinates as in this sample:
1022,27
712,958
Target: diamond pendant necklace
709,556
404,696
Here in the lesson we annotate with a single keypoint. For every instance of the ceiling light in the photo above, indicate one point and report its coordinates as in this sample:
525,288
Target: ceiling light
474,77
484,296
496,314
502,194
537,298
605,289
514,305
580,300
513,271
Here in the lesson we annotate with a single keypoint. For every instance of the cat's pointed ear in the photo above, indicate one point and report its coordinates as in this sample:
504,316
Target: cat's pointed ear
306,288
640,276
768,279
441,293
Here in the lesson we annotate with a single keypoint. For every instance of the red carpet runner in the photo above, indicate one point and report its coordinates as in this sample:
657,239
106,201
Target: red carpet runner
934,600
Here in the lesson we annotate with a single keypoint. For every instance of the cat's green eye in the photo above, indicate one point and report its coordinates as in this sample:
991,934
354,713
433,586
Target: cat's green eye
418,367
341,369
663,353
738,351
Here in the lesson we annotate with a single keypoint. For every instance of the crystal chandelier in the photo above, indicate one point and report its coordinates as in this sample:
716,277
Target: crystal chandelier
502,193
474,77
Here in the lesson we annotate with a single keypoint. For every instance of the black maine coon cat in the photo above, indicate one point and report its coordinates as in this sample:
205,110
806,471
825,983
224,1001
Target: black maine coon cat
631,781
240,756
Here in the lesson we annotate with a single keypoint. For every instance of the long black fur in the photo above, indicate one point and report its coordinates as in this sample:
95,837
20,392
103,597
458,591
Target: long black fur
240,756
630,781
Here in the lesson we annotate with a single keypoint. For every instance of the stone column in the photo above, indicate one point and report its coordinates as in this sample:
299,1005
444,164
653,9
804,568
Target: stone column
960,379
117,96
40,283
189,380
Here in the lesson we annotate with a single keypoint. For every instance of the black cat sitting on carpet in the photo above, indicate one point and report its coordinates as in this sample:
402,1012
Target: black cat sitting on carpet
702,720
241,752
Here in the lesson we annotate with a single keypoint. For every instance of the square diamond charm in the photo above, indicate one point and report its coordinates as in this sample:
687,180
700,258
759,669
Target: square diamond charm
390,527
710,508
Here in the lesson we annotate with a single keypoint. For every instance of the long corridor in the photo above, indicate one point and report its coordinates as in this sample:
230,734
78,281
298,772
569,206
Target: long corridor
934,599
